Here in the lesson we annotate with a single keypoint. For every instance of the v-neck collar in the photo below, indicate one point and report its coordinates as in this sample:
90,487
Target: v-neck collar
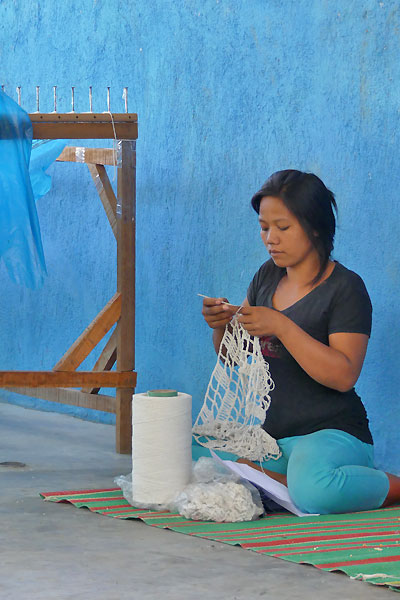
295,304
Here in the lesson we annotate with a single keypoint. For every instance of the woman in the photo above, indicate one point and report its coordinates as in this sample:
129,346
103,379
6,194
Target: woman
313,318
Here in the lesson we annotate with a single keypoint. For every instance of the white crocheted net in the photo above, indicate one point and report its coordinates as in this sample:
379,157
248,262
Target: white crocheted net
237,399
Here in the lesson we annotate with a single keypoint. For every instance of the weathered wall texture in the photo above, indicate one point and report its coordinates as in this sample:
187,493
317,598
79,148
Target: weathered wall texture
226,92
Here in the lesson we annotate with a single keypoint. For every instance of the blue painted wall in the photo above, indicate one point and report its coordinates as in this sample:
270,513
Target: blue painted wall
226,92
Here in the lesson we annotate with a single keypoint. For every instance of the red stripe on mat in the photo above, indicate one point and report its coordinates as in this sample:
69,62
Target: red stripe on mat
294,540
78,493
365,561
82,500
115,512
321,548
147,515
110,506
335,548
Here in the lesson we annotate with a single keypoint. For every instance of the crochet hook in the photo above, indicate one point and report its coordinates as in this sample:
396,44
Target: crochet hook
228,303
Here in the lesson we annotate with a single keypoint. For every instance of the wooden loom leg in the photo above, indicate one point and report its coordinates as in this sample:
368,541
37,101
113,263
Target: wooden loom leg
126,214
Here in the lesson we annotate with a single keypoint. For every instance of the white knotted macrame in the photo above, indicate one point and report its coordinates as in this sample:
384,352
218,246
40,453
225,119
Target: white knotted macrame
237,399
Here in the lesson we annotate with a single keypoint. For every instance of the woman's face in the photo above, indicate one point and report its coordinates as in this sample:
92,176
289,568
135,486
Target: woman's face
283,236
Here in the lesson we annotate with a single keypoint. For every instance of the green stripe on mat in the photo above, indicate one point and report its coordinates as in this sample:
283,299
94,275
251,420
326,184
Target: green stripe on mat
363,545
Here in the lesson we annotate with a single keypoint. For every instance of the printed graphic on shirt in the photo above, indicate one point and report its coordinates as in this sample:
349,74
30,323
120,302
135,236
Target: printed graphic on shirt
271,346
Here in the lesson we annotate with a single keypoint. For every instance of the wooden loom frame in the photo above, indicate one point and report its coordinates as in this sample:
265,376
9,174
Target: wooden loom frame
55,385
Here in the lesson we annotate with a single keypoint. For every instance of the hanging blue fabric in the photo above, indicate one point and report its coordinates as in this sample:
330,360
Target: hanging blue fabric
44,152
20,241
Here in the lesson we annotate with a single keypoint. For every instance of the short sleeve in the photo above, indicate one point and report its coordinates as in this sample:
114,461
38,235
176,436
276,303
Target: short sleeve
351,310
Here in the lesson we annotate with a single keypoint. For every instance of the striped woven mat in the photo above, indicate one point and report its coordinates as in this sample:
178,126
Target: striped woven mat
363,545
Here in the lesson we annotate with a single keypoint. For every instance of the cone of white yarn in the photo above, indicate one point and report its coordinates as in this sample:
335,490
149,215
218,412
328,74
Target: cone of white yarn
161,445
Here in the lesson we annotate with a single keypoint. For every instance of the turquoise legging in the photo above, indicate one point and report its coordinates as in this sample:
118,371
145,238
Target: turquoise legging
328,471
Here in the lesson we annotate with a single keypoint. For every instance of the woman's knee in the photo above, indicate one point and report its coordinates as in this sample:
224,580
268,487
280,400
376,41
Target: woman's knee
314,480
314,490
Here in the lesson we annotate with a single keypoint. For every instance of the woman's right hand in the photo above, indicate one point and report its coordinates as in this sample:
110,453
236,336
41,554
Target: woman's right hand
217,313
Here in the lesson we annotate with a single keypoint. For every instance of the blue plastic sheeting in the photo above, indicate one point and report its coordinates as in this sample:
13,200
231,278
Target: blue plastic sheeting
44,152
20,241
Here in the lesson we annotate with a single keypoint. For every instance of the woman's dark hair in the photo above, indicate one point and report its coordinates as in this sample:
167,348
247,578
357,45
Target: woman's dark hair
307,197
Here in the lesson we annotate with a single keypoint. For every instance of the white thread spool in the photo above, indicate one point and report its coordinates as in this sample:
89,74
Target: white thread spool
161,445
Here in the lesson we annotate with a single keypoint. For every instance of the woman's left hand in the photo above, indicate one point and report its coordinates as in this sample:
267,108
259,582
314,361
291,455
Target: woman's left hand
259,320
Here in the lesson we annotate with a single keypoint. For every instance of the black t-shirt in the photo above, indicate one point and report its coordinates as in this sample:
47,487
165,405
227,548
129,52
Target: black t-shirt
299,404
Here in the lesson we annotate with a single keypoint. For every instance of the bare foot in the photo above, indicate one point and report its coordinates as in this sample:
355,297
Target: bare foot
393,496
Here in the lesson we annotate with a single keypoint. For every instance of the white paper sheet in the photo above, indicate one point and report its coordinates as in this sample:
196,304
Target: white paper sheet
273,489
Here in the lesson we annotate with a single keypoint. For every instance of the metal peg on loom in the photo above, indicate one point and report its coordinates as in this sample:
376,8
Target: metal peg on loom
55,97
72,99
125,98
108,100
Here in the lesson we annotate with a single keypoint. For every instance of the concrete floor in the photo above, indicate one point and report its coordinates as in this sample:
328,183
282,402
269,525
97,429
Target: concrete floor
57,552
